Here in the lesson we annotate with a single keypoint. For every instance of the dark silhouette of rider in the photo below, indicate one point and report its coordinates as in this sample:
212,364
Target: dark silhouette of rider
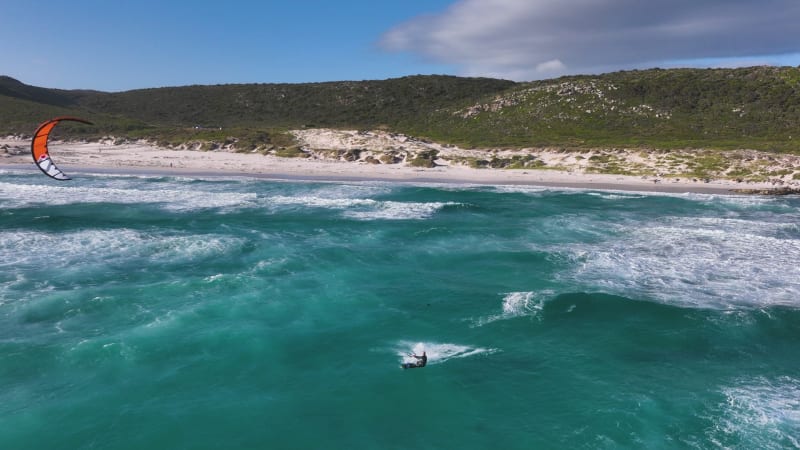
421,360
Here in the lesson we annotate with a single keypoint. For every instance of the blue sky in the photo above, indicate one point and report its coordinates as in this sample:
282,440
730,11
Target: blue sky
122,45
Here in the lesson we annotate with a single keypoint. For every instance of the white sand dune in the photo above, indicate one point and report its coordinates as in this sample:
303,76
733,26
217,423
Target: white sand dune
563,169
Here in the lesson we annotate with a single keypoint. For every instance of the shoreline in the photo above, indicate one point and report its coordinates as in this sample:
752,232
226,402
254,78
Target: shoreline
420,176
144,159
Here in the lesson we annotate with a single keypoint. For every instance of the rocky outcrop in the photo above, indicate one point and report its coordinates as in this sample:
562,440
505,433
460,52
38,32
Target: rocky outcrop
12,150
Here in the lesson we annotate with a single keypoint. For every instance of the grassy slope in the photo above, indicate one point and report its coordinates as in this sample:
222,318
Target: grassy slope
723,108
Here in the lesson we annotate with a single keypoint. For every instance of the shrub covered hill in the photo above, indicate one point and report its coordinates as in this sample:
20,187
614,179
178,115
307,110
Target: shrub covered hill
755,108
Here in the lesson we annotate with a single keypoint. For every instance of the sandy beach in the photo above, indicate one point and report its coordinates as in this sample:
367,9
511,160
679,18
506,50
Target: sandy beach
562,169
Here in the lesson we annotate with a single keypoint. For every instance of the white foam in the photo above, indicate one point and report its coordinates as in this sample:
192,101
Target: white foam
518,304
10,285
608,194
400,211
713,262
760,413
364,208
438,353
81,247
312,201
615,195
357,190
175,197
520,189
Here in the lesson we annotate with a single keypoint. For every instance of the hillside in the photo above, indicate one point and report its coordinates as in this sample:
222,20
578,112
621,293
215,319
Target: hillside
757,108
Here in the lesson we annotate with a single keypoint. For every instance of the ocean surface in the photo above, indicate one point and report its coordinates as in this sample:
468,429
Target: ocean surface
204,313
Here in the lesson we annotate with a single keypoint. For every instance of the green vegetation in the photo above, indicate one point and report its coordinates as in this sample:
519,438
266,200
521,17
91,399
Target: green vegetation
291,152
754,108
424,159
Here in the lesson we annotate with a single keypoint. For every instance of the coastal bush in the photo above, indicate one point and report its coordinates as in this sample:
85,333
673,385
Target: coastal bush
291,152
390,158
421,162
739,172
707,165
721,109
424,158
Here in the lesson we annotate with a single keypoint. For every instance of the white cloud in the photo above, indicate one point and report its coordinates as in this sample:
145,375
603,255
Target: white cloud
524,39
552,66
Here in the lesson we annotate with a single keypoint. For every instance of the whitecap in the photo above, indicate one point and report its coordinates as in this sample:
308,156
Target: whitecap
364,208
63,249
174,197
312,201
400,211
518,304
521,189
213,278
358,190
615,195
714,263
759,413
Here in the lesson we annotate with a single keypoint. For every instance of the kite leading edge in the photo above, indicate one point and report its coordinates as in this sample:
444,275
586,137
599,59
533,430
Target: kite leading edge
39,150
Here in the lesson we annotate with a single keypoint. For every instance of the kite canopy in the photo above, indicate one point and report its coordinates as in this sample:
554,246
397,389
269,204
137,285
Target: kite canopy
41,155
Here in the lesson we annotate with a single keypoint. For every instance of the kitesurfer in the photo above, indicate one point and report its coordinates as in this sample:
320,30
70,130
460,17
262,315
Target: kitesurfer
421,360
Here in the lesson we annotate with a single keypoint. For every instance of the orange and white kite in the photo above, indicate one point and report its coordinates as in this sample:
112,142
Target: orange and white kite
40,152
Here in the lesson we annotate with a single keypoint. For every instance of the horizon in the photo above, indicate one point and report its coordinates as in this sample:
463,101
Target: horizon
122,47
409,76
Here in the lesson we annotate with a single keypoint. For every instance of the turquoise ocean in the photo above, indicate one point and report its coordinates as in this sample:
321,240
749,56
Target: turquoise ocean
170,312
